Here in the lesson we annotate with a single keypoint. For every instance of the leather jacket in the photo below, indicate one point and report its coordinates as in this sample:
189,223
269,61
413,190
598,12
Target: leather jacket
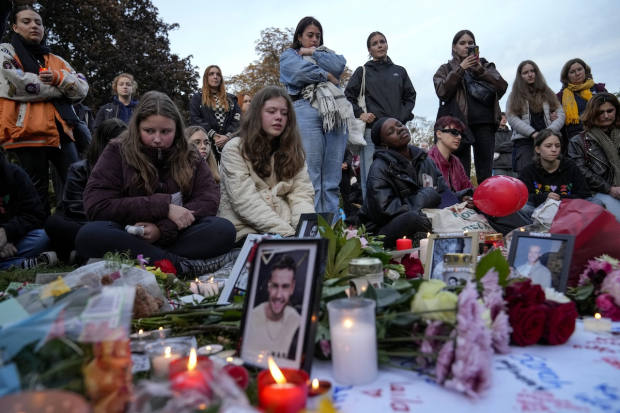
592,162
73,195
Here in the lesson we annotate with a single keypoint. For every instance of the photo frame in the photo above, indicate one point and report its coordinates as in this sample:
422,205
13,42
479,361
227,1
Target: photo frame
449,243
308,226
236,285
280,313
543,257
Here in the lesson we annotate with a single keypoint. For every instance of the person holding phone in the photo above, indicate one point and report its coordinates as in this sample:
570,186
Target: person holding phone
481,117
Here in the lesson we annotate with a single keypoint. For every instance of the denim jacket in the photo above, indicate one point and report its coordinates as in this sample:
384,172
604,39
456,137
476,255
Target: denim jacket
296,73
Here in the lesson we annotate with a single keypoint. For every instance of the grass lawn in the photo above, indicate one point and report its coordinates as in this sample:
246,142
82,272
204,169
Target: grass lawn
18,275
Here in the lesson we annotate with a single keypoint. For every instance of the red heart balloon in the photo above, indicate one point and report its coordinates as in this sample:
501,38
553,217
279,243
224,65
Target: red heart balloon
498,196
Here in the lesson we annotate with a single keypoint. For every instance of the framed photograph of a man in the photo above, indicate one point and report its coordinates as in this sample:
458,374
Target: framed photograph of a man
308,226
542,257
282,303
237,283
448,243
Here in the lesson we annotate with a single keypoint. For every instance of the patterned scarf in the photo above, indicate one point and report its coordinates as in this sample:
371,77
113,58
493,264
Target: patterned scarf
610,146
568,100
220,115
330,101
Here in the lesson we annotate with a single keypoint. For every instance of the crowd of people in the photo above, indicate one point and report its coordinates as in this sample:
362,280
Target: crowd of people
191,193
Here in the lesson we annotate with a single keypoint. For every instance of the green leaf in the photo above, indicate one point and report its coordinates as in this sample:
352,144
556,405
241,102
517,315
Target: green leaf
178,321
401,285
232,315
322,331
406,320
583,292
333,291
328,233
386,296
370,293
351,249
493,260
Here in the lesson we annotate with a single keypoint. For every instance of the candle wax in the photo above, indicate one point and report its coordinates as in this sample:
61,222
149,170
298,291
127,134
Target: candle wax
316,396
282,398
403,244
354,353
190,380
423,250
599,325
161,365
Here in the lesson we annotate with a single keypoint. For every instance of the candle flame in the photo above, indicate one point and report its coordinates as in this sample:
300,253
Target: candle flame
428,234
348,323
404,237
196,280
208,348
465,233
211,280
140,332
161,328
191,364
597,316
229,359
315,384
167,352
275,371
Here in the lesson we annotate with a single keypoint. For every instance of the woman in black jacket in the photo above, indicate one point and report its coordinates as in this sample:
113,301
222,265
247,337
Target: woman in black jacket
402,180
215,110
62,230
124,88
388,92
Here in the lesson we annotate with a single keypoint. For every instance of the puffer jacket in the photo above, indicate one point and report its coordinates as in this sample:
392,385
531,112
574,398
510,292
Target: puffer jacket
592,162
112,194
27,115
396,185
257,205
449,84
114,110
521,128
389,91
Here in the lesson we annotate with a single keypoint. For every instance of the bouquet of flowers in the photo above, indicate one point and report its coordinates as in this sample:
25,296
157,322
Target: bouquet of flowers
598,289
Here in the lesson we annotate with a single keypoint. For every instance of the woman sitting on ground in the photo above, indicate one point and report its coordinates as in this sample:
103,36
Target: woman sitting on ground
595,150
402,180
154,179
62,230
197,135
551,175
265,182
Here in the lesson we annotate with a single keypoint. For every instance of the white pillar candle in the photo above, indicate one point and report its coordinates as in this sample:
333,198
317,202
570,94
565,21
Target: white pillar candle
161,363
423,250
206,289
597,324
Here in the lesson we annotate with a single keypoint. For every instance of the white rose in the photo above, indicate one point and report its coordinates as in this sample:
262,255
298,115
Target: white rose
553,295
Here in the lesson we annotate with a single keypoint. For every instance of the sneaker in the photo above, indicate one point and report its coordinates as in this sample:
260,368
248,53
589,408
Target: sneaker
46,259
196,268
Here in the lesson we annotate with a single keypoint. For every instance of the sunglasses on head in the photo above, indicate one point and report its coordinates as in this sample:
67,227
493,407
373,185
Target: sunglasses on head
452,132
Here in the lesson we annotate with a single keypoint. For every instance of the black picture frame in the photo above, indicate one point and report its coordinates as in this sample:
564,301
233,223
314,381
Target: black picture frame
236,284
288,350
556,251
308,221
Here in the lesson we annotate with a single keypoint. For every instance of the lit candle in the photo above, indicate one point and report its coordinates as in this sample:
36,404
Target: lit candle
282,391
207,289
319,390
192,378
161,364
424,248
210,349
137,336
160,334
403,244
234,361
353,340
597,324
162,354
239,374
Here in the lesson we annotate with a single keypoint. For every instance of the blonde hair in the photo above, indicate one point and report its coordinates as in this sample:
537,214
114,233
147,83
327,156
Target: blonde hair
207,96
134,84
211,157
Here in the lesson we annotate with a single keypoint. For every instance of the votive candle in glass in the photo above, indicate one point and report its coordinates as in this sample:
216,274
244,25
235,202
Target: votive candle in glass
282,390
161,354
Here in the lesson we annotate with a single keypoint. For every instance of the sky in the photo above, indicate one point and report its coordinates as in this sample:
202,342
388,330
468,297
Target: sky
419,34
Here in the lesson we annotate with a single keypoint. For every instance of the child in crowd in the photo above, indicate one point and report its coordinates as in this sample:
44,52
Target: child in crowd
197,135
22,238
550,175
155,180
265,182
402,180
63,230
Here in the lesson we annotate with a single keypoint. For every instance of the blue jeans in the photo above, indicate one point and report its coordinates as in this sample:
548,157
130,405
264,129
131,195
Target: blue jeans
324,155
366,153
612,204
29,246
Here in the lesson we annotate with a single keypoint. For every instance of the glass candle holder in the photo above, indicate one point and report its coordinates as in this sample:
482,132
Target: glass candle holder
161,354
289,397
353,340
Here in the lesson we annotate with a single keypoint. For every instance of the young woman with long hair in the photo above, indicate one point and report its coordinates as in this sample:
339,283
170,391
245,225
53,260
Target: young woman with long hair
265,182
595,149
124,88
244,100
311,73
63,230
389,93
154,179
550,175
197,135
532,106
480,117
215,110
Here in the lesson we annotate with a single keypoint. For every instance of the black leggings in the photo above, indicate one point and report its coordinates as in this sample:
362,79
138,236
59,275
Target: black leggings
62,231
404,225
207,238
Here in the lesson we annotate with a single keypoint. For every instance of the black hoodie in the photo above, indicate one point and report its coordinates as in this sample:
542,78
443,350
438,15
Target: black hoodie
396,186
566,181
389,91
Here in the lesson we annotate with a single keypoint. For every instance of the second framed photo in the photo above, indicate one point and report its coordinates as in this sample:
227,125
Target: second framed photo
282,302
449,243
308,226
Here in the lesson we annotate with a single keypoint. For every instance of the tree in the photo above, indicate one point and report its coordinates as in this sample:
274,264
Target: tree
265,71
421,130
103,38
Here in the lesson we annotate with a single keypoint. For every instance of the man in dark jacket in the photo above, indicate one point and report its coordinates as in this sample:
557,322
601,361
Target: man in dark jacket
502,158
402,180
22,238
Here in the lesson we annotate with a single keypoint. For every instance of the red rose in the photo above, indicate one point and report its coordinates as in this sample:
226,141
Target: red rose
560,325
165,266
608,307
413,266
528,323
524,291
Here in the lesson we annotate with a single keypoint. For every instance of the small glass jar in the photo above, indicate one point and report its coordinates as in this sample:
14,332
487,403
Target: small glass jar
369,271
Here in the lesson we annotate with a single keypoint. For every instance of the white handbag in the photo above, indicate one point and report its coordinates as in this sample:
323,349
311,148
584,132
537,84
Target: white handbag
356,132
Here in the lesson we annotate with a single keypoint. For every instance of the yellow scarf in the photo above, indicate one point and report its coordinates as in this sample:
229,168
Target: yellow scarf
568,100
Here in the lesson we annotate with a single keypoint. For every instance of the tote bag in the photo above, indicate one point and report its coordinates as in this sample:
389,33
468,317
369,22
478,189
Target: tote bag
356,132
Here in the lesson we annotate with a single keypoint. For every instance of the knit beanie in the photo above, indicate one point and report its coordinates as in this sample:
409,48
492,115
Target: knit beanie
375,133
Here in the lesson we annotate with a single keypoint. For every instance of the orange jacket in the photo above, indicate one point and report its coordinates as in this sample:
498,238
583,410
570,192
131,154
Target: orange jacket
27,116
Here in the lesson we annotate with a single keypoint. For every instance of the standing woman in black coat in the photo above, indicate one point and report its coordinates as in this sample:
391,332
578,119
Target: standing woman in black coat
481,118
215,110
389,93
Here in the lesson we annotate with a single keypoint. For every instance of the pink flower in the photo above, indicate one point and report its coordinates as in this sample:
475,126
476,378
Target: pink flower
364,242
605,303
493,294
430,346
350,232
500,333
444,361
611,285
